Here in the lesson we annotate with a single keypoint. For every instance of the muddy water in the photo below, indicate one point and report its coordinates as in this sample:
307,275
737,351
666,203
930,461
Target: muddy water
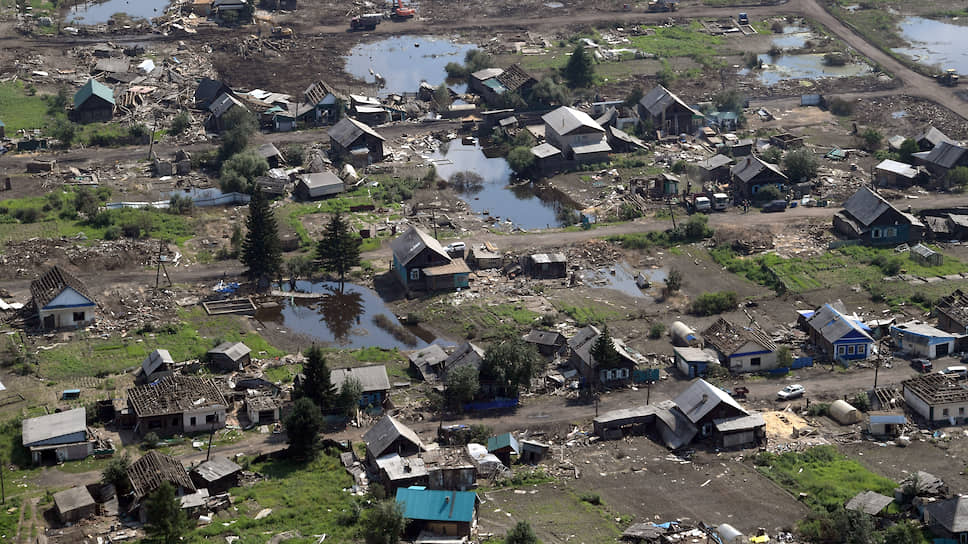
96,14
338,318
935,43
521,204
793,37
403,62
809,66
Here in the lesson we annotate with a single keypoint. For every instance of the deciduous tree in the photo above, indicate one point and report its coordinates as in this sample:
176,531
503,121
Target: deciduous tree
383,524
511,365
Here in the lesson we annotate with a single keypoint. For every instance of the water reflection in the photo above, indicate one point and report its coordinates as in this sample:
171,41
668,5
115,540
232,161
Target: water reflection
808,66
341,310
403,62
96,14
935,43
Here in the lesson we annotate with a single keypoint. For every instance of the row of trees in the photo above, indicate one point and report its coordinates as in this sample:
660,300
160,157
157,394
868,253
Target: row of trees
338,251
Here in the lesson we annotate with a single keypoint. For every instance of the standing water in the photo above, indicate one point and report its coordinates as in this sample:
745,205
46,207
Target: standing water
97,14
338,317
935,43
403,62
493,196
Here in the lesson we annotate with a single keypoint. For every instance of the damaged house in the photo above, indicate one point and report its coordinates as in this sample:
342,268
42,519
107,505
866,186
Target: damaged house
874,221
217,475
576,135
93,103
713,411
937,399
177,405
741,349
839,336
422,264
148,473
157,365
942,159
751,174
390,436
356,143
229,356
667,113
62,300
428,362
373,380
952,312
591,372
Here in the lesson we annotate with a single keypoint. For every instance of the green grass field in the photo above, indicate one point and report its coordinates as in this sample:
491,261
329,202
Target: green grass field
19,110
828,478
679,41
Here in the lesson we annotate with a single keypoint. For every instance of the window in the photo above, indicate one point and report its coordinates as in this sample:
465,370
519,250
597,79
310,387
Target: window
861,349
850,350
192,421
875,233
841,350
755,361
415,274
890,232
211,418
944,412
78,316
961,411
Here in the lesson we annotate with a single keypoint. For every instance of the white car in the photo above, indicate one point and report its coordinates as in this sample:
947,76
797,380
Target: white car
790,392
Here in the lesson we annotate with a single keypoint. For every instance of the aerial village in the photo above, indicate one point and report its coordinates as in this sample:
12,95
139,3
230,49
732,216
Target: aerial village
279,271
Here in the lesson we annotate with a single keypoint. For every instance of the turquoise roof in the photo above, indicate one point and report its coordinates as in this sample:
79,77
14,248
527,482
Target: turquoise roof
93,88
435,505
502,441
1,123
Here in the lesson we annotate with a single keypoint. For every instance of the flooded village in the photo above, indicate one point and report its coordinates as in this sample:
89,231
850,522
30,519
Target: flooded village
277,271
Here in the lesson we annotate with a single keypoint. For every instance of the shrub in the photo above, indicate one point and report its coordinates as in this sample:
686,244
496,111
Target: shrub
818,409
834,59
714,303
800,165
767,194
112,233
841,107
673,280
180,123
872,139
862,402
777,27
591,498
27,215
656,330
773,155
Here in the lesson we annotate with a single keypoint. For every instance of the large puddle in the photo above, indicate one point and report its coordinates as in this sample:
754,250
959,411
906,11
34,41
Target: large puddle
518,205
793,37
935,43
623,278
403,62
97,14
339,318
810,66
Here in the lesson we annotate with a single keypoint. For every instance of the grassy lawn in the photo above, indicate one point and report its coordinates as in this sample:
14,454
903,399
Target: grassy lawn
853,265
588,315
828,478
680,41
308,498
19,110
189,339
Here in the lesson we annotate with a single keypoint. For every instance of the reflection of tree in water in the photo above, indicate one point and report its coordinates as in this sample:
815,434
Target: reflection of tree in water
340,311
444,147
467,182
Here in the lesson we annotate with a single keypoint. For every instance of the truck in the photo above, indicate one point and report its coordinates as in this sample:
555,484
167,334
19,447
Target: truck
720,202
743,19
367,21
662,5
949,78
702,204
399,11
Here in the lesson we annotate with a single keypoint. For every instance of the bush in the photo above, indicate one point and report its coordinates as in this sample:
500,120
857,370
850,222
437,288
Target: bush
591,498
862,402
772,155
841,107
673,280
834,59
889,265
767,194
872,139
818,409
714,303
151,440
295,154
112,233
656,331
180,123
777,27
27,215
800,165
520,159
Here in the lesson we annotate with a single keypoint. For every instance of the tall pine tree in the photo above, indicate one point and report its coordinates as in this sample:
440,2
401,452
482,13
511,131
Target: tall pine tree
339,250
604,352
166,520
580,72
316,384
261,252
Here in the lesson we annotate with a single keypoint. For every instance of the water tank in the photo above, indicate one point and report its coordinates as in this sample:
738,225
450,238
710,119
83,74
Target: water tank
729,534
683,336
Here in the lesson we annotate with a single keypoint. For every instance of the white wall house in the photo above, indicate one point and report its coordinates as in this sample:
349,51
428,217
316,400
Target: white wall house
62,301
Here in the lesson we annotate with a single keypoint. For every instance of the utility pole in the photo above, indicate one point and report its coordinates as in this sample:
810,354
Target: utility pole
158,268
211,435
3,493
673,214
151,142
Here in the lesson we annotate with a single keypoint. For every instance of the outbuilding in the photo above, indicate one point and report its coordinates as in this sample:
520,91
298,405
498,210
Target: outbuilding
58,437
443,513
842,412
218,475
318,185
74,504
356,142
693,362
547,342
229,356
922,340
94,102
885,423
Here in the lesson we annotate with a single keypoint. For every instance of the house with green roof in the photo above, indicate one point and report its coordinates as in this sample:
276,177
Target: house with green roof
94,102
502,446
443,513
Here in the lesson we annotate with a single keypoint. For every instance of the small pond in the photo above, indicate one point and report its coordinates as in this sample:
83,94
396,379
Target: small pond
520,204
338,318
404,61
810,66
935,43
97,14
622,277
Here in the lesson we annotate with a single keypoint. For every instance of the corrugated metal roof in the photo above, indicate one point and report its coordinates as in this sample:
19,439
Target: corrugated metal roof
702,397
545,150
39,429
409,244
436,505
501,441
372,377
659,99
155,360
565,120
93,88
898,168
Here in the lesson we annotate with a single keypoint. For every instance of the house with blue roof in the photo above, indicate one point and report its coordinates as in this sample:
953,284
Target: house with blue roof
443,513
840,336
94,102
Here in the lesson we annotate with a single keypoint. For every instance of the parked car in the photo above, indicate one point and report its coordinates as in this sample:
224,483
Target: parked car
957,372
790,392
774,206
455,247
922,365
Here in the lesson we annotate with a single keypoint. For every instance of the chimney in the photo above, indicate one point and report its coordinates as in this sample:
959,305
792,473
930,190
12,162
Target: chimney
749,160
705,397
